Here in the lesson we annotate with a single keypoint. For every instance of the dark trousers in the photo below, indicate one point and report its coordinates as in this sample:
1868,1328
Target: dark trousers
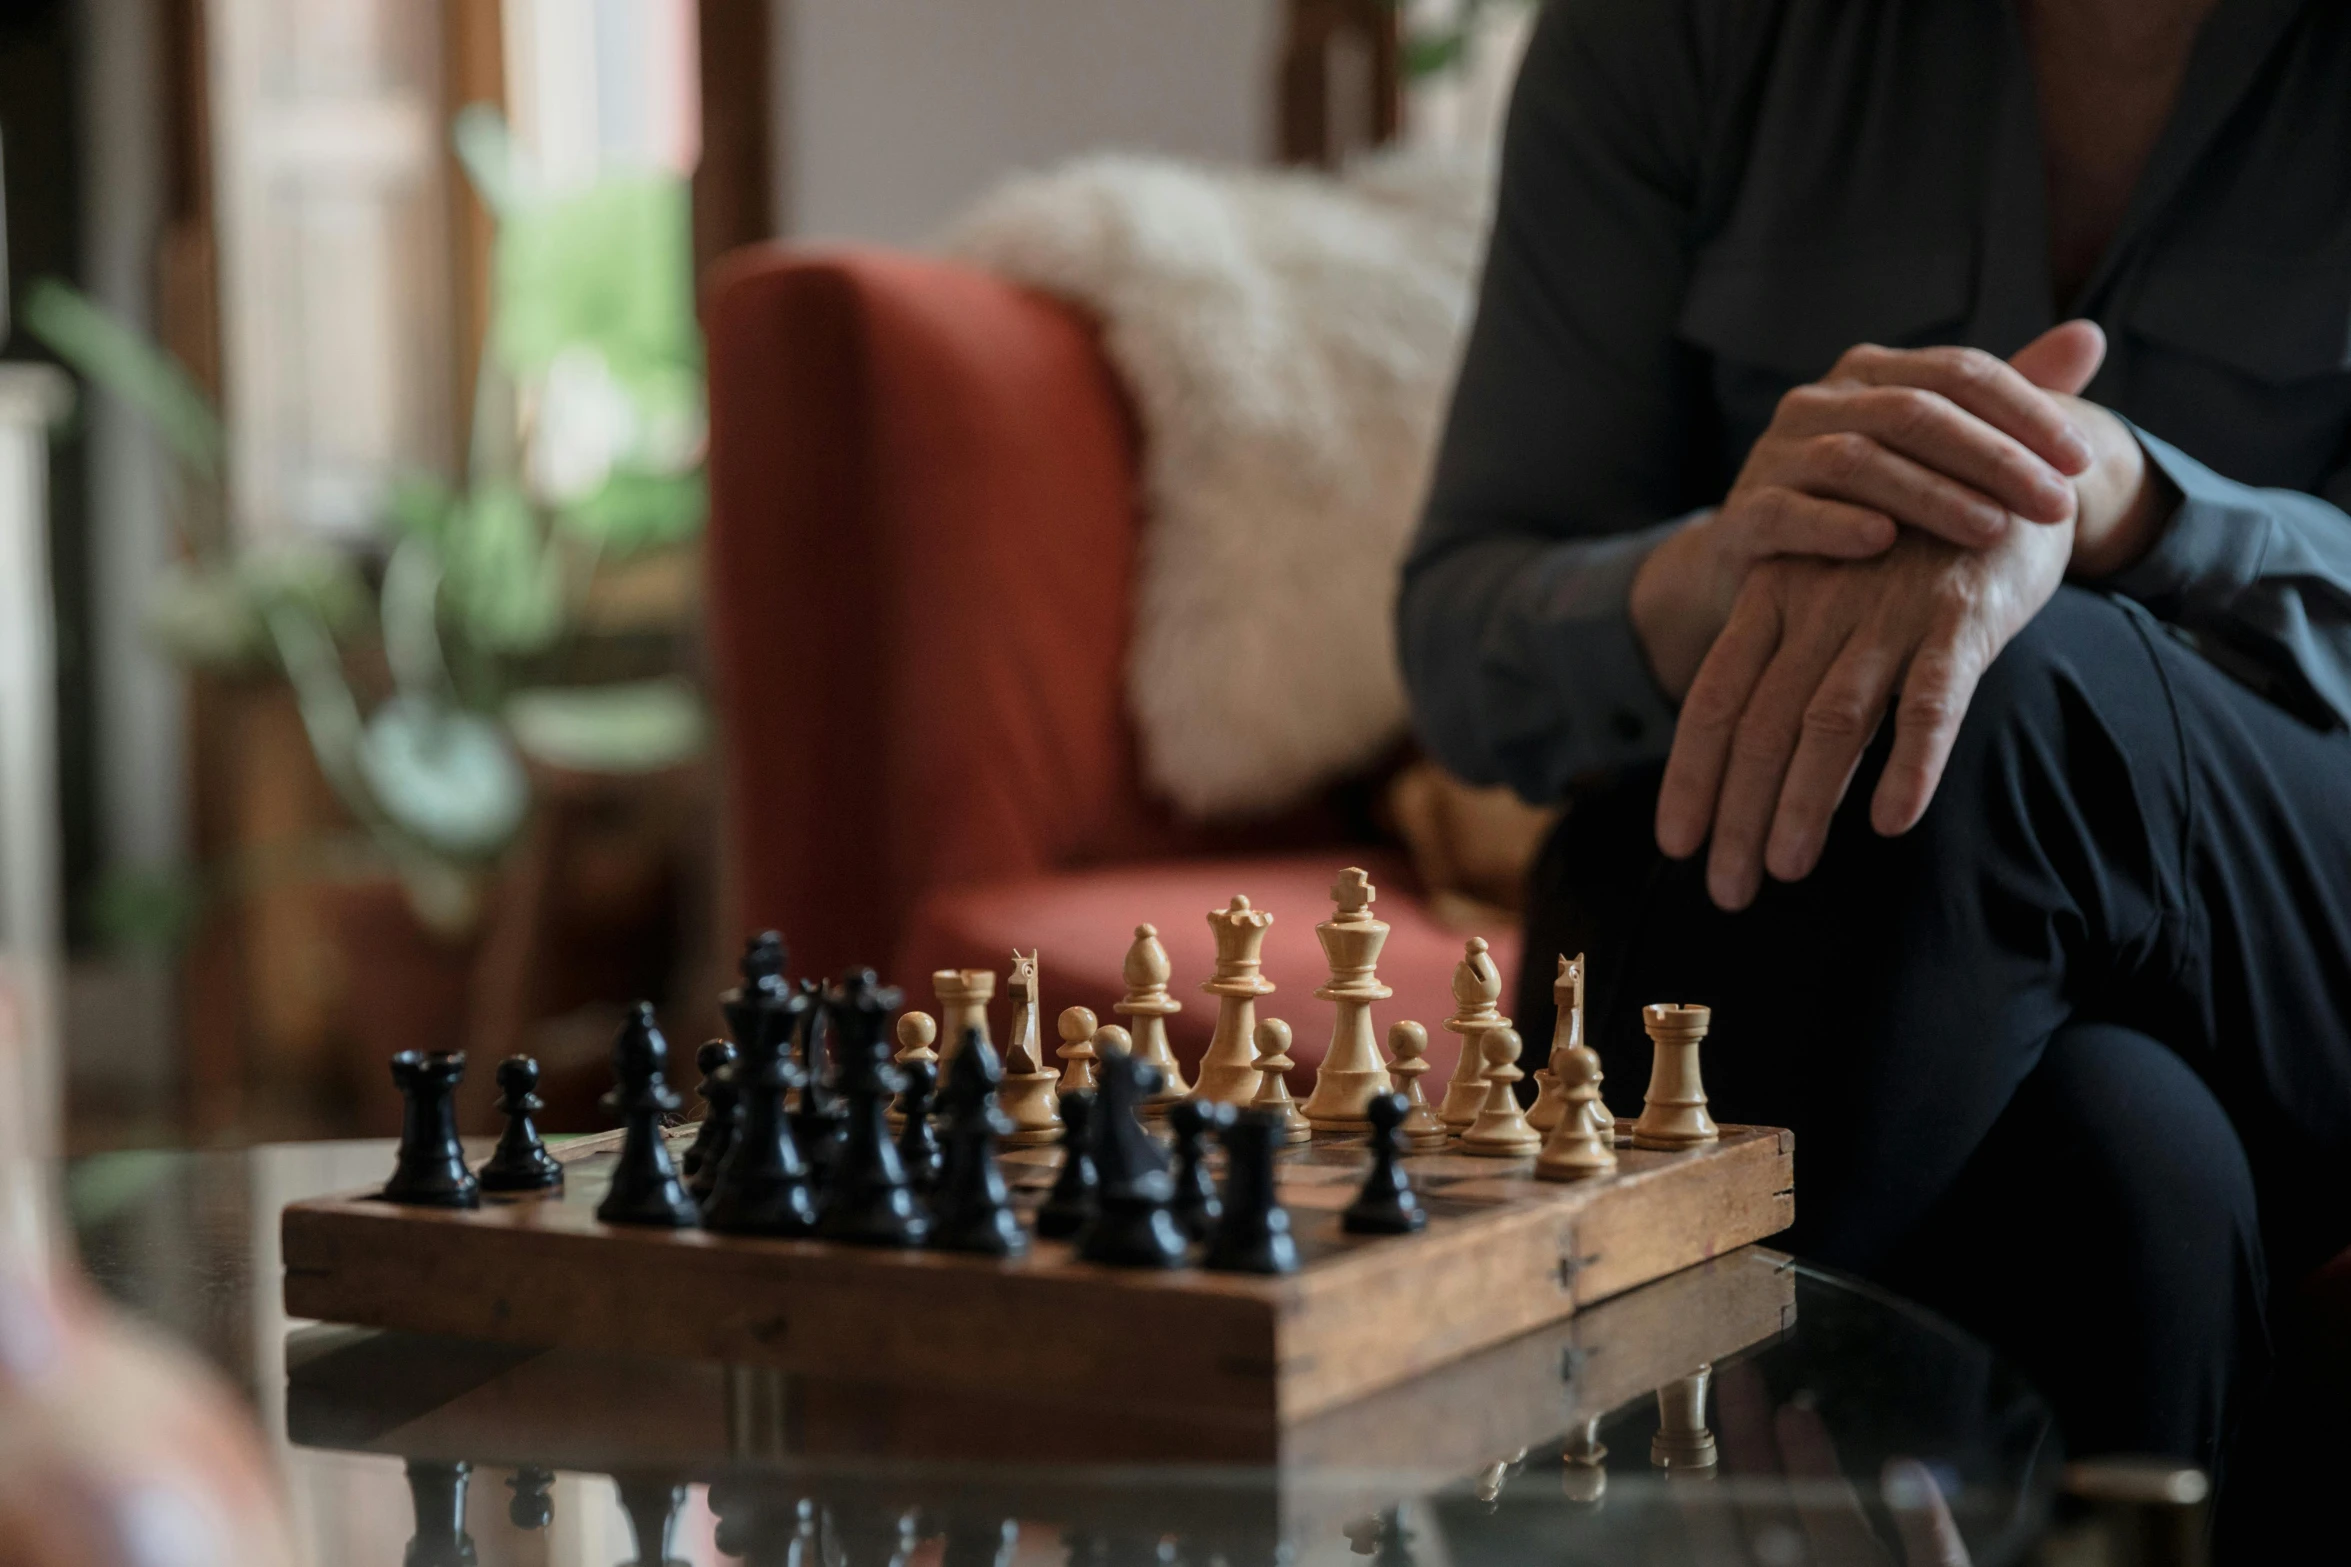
2069,1061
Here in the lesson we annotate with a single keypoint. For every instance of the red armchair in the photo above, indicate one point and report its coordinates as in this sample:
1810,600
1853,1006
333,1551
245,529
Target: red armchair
923,525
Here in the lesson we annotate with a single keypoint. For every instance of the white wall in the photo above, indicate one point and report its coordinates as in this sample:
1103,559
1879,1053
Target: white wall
895,113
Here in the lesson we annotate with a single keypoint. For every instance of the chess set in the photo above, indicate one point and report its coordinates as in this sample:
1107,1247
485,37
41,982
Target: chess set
954,1216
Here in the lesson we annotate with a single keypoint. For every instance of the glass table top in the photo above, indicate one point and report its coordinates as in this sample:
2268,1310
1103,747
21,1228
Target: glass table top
1752,1409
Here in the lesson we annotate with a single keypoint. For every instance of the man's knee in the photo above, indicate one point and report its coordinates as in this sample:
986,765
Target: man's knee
2074,708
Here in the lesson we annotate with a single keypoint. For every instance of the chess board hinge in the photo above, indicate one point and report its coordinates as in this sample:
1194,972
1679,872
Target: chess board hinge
1573,1259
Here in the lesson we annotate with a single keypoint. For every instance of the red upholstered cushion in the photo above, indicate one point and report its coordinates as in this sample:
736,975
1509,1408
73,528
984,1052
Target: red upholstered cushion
1084,921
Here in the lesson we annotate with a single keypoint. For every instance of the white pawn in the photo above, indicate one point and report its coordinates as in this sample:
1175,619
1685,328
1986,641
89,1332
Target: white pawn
1408,1045
1076,1028
1500,1130
1575,1151
1273,1075
916,1032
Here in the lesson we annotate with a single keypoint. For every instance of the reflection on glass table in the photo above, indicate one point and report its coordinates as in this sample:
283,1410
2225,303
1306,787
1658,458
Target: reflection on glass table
1746,1410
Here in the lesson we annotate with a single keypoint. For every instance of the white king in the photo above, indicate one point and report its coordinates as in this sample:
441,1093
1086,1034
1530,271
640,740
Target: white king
1352,1070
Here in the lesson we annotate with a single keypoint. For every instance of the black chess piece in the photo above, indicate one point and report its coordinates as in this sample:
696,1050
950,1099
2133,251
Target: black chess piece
1132,1227
532,1508
1077,1190
652,1503
437,1492
520,1162
429,1171
1254,1236
821,1120
762,1185
645,1185
980,1542
871,1533
918,1141
1395,1539
761,1520
1196,1206
716,1062
973,1206
1387,1204
867,1199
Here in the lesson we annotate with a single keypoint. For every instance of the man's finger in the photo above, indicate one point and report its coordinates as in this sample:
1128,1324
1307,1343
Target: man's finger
1710,714
1782,521
1930,1536
2064,358
1935,694
1849,466
1826,1501
1985,386
1758,763
1988,464
1838,724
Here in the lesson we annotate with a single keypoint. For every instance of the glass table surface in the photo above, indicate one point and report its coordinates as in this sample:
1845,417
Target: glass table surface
1752,1409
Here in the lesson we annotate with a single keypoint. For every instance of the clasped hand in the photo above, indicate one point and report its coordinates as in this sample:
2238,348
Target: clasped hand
1899,522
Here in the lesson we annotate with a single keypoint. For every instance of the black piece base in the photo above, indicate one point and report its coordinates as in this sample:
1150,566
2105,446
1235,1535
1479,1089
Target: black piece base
540,1171
432,1191
1133,1232
1058,1220
1406,1217
665,1207
991,1232
785,1208
894,1220
1263,1248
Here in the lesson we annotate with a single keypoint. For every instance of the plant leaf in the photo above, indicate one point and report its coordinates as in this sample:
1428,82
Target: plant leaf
110,354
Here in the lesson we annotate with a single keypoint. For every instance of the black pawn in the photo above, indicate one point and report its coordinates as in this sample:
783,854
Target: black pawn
1386,1205
1132,1227
520,1163
918,1141
430,1171
1077,1191
645,1186
532,1508
1254,1236
867,1199
722,1102
973,1206
762,1185
1196,1207
437,1493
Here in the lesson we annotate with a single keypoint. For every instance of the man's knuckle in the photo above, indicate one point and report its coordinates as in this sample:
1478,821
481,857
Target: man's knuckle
1972,366
1912,410
1836,715
1843,455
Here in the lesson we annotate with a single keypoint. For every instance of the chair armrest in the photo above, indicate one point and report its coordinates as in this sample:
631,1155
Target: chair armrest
921,556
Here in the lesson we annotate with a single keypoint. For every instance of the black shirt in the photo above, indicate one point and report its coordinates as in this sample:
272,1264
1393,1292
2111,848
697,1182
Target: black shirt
1705,202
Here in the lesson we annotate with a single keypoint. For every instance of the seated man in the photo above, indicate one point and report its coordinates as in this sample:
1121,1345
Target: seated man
2005,819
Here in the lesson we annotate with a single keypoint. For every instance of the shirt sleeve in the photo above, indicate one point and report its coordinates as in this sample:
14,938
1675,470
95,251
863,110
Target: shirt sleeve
1577,435
2264,572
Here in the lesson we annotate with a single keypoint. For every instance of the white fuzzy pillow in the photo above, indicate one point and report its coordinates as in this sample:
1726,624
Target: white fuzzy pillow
1289,340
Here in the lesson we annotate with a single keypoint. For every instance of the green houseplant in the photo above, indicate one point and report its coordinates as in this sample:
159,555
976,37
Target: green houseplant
429,669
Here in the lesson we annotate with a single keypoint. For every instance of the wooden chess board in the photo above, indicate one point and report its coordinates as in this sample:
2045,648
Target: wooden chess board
1503,1253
